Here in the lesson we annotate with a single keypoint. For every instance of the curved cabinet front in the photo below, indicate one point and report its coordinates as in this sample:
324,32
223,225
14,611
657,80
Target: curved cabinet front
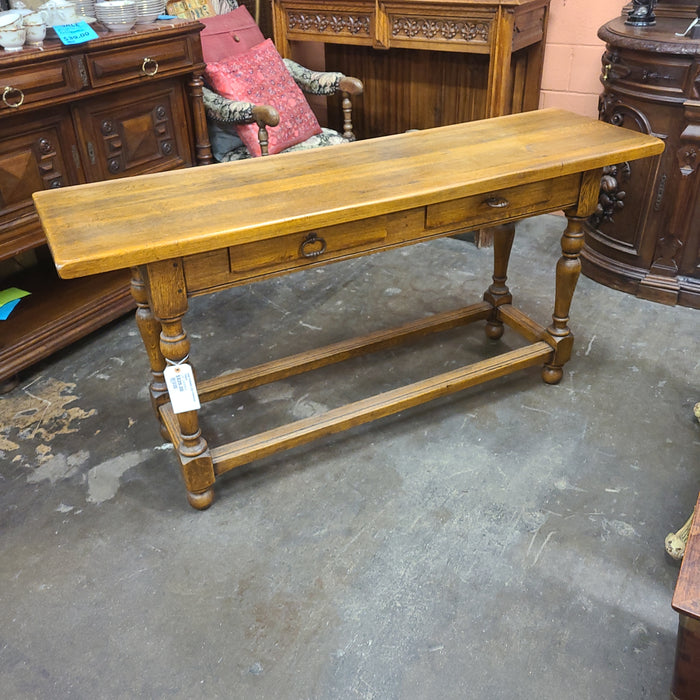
645,236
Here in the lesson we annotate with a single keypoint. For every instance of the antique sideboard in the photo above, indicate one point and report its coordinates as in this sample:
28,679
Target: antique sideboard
425,63
645,237
123,104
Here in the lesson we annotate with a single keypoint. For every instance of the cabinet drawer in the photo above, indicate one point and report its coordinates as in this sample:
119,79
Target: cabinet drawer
506,204
40,81
462,32
131,63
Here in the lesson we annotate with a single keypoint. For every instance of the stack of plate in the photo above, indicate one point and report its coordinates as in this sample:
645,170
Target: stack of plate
84,8
148,10
116,15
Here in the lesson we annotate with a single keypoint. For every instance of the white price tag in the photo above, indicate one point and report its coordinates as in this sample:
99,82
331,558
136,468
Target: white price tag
181,387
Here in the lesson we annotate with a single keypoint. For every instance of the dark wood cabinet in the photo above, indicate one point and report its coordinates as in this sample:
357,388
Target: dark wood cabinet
645,237
123,104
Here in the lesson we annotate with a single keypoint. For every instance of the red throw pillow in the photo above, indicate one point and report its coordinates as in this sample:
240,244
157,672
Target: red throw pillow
260,76
229,35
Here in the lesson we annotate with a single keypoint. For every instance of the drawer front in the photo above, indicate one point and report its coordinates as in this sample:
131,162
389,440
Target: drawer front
238,264
41,81
147,60
303,248
492,208
667,76
356,26
469,32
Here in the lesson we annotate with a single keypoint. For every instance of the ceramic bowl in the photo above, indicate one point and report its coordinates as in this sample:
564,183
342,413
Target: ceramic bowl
13,39
36,33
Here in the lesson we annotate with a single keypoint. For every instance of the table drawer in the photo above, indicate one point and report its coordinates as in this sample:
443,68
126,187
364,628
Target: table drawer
503,205
40,81
148,59
237,264
300,249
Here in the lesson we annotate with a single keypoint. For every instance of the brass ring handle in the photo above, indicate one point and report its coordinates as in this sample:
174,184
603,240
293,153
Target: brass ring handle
8,91
149,66
606,72
312,241
497,202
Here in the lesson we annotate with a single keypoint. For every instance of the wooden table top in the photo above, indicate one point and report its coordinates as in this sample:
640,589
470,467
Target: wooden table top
110,225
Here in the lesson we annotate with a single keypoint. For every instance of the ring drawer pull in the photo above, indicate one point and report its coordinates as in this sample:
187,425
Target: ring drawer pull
312,246
497,202
149,66
9,91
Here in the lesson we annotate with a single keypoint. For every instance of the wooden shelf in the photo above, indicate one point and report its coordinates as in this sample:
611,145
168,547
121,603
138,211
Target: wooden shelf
57,313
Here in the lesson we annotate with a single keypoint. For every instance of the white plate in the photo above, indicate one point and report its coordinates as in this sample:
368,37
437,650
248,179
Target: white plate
9,18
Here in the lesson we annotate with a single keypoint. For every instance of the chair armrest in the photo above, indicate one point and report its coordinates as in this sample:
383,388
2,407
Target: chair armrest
223,111
322,82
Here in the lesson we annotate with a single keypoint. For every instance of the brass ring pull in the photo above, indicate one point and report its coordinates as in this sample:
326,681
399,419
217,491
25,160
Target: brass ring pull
7,92
606,72
149,66
312,246
497,202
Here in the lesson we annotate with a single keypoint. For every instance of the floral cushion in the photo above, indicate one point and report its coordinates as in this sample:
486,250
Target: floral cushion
260,76
229,35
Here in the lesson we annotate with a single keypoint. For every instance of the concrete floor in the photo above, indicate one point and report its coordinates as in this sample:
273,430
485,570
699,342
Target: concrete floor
504,542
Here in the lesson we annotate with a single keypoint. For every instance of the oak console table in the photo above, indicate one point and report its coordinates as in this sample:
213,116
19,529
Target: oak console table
123,104
425,63
269,216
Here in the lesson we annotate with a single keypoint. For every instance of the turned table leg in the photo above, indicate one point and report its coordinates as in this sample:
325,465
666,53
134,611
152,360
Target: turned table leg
166,284
498,292
568,271
149,329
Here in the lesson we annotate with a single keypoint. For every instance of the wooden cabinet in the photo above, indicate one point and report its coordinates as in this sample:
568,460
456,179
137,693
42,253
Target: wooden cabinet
645,237
424,63
123,104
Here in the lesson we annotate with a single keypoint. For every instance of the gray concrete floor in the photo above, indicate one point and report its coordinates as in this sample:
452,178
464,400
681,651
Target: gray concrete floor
504,542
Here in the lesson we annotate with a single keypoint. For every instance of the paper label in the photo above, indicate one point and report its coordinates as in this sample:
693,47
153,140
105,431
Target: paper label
75,33
181,387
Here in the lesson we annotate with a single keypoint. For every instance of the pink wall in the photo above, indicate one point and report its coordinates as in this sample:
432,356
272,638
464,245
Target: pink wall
572,56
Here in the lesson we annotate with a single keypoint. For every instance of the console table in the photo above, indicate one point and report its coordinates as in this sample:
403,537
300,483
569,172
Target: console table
270,216
425,63
124,104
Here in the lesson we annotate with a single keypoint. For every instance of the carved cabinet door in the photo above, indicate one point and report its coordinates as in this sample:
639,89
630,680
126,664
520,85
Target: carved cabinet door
136,131
35,154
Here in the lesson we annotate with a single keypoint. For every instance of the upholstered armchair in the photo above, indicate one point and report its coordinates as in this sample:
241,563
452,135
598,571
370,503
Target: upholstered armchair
224,114
254,100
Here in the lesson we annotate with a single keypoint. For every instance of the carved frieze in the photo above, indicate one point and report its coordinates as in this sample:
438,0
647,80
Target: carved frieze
445,29
333,23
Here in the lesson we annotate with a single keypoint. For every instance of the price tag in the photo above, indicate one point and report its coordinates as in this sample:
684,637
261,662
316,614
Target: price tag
181,387
75,33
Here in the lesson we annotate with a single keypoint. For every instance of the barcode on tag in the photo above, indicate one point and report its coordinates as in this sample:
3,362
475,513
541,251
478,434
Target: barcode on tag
181,387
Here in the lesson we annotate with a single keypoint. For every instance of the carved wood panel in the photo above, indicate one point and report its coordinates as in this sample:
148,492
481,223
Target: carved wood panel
134,132
39,155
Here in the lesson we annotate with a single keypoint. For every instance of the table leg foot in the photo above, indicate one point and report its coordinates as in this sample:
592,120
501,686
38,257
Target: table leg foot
201,501
551,374
494,329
